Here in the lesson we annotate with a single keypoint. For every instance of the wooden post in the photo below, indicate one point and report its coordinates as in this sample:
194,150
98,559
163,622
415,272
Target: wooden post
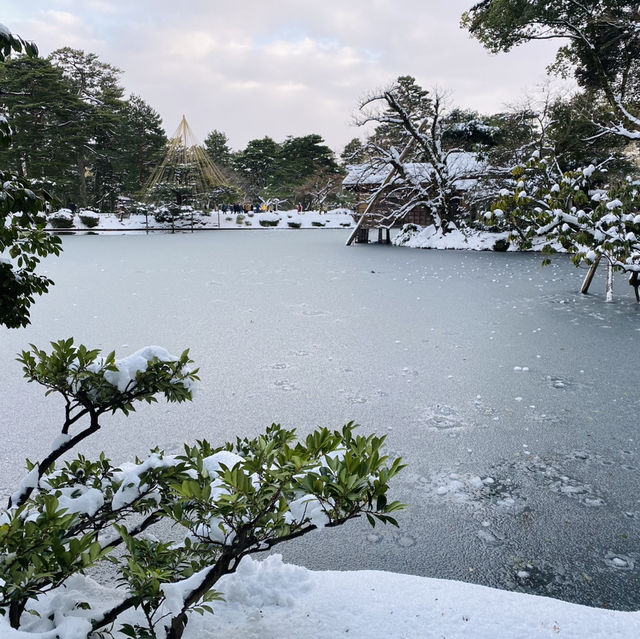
634,280
589,278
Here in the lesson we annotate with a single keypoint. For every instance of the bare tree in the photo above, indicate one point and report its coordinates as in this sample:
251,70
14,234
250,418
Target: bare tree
425,173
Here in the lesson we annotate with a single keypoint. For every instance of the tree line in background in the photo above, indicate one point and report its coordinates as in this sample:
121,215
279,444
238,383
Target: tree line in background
74,130
75,133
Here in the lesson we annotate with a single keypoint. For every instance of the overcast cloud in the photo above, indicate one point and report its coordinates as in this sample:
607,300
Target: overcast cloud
282,67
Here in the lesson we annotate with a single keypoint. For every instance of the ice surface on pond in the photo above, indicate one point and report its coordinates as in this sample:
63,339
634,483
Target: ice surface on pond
428,347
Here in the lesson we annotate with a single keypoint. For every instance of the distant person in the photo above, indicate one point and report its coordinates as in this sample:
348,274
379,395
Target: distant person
299,208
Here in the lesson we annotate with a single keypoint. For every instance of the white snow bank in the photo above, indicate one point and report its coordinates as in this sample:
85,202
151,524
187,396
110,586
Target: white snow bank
429,237
269,217
271,600
283,219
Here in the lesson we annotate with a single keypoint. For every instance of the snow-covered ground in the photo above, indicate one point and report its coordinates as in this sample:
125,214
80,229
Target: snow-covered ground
414,236
292,219
272,600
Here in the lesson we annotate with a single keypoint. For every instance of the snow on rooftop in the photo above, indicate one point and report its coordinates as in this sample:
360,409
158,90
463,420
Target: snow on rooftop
461,164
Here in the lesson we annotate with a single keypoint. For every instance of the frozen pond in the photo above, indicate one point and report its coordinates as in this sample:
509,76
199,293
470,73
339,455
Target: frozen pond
513,399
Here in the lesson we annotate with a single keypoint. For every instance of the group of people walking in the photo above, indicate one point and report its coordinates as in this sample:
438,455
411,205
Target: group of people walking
255,208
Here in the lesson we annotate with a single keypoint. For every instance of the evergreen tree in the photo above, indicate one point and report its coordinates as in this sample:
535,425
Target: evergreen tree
603,47
46,123
258,163
300,158
143,142
97,85
217,146
576,140
354,152
411,100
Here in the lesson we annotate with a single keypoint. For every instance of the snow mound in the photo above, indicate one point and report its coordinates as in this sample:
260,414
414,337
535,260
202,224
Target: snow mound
415,236
265,583
271,600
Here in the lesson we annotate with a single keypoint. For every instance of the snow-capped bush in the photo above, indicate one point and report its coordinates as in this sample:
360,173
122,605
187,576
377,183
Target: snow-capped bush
61,219
407,233
89,218
268,219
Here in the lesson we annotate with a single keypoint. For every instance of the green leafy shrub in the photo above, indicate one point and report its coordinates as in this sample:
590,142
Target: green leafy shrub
501,245
23,242
223,502
294,225
317,223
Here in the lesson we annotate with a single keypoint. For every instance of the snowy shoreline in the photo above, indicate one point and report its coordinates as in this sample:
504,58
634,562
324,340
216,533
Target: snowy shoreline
270,599
215,221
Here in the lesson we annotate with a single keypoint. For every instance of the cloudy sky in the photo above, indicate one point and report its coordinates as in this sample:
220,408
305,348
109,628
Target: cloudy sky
253,68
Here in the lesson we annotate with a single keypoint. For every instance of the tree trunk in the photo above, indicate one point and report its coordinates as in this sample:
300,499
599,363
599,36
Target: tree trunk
178,625
609,281
589,278
82,182
634,280
16,608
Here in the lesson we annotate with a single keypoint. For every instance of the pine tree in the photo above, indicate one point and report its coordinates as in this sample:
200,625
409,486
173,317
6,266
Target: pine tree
46,122
217,146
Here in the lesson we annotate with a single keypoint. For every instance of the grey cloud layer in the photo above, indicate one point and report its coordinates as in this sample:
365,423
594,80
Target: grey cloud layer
257,68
